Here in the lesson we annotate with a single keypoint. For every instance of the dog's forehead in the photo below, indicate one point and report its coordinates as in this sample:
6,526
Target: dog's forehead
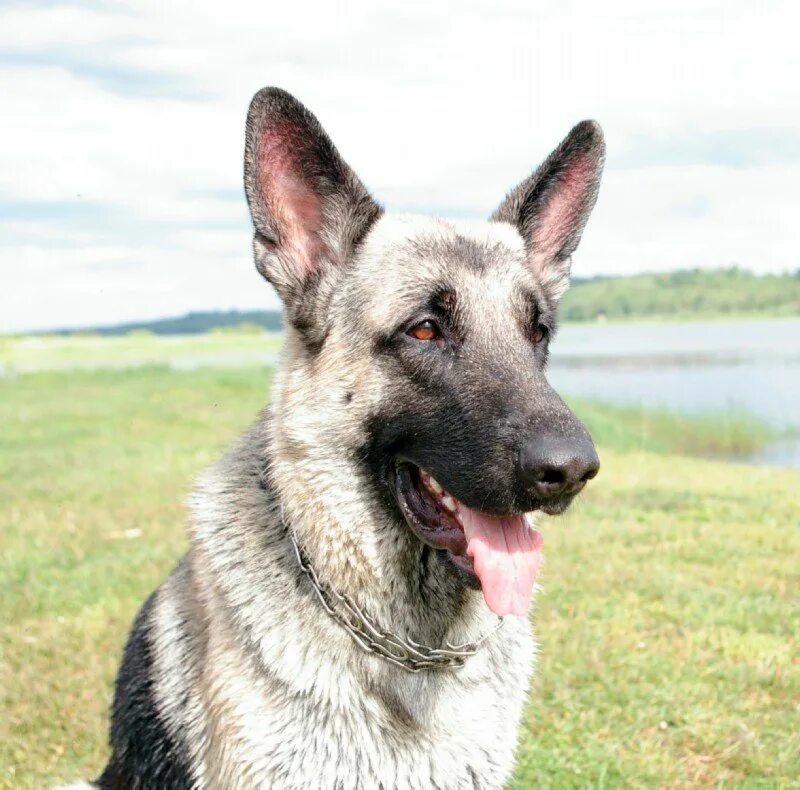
396,231
406,258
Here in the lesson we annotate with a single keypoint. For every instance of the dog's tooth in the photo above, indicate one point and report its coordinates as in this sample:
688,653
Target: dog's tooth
435,487
449,502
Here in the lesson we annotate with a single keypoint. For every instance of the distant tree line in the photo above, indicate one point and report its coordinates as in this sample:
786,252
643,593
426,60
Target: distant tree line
681,294
194,323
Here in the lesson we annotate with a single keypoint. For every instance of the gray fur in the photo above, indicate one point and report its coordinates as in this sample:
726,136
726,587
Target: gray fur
235,676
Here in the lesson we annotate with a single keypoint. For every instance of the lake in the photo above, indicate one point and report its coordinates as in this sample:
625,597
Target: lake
748,367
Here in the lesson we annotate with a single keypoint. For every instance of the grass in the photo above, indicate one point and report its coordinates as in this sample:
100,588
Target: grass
669,619
669,627
30,353
630,428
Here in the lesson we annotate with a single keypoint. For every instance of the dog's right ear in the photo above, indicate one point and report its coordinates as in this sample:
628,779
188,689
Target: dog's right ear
309,209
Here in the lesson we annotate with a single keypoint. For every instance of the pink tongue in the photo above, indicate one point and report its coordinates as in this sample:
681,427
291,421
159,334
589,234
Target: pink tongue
506,554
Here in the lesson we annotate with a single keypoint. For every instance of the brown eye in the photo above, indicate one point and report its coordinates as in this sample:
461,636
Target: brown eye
539,333
426,330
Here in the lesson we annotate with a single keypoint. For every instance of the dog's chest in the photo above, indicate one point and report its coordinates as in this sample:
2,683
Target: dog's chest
448,731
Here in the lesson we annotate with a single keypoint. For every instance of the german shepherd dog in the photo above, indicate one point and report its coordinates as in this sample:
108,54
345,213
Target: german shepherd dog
351,612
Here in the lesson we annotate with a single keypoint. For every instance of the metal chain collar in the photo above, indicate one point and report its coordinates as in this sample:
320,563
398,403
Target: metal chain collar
404,653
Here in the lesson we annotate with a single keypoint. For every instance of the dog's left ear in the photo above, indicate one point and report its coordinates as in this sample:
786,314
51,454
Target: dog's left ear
309,209
550,208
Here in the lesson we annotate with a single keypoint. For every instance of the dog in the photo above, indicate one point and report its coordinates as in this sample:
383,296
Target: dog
351,612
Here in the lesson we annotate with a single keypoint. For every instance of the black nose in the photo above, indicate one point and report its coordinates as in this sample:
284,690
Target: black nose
555,466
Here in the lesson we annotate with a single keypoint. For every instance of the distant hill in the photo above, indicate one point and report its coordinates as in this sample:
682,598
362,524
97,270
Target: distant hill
688,293
191,323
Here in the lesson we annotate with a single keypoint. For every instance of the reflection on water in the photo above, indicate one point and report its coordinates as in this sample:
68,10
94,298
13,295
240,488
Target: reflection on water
742,366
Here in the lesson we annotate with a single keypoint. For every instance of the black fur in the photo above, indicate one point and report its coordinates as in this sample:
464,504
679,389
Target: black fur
144,756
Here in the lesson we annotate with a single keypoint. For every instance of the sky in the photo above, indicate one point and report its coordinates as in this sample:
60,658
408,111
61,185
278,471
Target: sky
122,133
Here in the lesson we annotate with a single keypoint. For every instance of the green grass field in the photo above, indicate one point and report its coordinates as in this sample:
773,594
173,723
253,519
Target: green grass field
668,623
32,353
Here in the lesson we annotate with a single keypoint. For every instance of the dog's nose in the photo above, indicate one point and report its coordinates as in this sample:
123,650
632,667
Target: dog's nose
555,466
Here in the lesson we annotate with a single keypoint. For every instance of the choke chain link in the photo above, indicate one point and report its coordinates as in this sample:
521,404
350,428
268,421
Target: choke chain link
404,653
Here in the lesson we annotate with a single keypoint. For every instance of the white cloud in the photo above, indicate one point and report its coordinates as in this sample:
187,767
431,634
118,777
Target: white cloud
139,110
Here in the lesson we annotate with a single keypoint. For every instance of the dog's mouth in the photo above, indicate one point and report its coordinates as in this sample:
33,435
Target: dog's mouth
500,554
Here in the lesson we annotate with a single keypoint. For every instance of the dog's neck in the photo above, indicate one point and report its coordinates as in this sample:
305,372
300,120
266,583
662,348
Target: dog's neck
357,547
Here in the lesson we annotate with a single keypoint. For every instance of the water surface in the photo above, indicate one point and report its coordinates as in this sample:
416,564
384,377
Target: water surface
750,367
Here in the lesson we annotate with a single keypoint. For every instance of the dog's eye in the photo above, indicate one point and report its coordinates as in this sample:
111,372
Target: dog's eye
539,333
425,330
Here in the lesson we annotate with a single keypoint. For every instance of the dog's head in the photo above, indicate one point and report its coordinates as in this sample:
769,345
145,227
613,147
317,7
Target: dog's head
418,347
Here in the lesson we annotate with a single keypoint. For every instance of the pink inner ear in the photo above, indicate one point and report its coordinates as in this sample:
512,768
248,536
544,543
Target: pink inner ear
295,208
557,221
